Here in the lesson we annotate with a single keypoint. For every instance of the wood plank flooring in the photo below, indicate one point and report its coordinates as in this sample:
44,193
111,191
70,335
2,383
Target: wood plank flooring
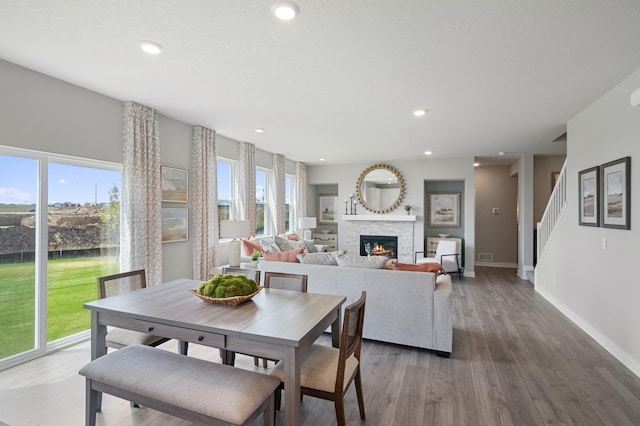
516,361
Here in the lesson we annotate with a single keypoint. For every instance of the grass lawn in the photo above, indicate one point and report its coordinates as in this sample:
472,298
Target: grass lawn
71,283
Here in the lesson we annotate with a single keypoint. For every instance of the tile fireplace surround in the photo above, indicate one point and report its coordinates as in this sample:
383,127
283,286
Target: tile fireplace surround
398,225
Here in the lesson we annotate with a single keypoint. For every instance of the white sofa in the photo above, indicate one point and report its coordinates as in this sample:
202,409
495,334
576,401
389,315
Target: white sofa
407,308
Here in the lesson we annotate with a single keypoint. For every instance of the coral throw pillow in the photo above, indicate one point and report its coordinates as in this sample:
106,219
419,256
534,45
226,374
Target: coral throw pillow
249,246
420,267
283,256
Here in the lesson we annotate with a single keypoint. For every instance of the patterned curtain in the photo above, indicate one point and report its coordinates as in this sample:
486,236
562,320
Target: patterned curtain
141,233
301,191
204,202
277,194
246,184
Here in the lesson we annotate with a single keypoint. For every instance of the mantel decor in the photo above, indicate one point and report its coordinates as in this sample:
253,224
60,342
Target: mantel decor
380,188
615,181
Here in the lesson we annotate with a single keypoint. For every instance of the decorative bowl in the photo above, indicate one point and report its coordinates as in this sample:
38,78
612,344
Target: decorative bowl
443,235
236,300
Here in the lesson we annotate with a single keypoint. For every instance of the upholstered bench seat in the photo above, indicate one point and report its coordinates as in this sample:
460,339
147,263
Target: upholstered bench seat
190,388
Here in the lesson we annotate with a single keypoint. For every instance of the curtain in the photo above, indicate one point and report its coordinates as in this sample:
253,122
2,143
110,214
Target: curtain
277,194
246,184
141,233
204,202
301,191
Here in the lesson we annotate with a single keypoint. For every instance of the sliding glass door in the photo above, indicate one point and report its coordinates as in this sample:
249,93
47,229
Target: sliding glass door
59,231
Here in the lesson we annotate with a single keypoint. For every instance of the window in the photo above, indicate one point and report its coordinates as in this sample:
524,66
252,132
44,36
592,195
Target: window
262,207
289,202
225,190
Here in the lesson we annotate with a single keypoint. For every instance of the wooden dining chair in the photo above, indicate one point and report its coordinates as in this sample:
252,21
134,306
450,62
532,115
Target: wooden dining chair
282,281
252,274
327,372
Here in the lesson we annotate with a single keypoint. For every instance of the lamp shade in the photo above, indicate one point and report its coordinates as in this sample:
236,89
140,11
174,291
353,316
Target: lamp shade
307,222
234,228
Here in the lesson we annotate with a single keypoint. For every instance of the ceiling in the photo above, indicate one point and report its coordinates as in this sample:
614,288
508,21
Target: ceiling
341,80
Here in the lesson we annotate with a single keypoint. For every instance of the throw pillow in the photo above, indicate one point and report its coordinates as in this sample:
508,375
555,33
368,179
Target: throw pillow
371,262
269,244
284,256
248,247
283,243
291,237
318,258
297,245
420,267
311,247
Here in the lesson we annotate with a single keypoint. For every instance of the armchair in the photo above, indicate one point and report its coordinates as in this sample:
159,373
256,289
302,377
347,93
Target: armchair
447,255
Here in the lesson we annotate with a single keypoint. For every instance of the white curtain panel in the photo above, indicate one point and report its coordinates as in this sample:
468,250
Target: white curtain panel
246,184
301,191
277,193
204,202
141,233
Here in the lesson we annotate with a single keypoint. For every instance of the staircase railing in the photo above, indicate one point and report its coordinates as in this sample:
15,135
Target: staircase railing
552,214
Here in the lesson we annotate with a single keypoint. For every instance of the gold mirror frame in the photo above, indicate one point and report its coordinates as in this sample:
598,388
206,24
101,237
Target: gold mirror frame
362,178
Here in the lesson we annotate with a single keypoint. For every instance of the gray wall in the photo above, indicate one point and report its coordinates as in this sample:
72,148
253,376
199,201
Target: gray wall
594,286
497,233
543,167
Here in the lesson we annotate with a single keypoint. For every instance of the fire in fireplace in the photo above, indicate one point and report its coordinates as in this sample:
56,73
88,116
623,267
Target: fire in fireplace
379,245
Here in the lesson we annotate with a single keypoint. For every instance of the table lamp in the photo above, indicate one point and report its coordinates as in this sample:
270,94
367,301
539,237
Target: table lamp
234,229
306,223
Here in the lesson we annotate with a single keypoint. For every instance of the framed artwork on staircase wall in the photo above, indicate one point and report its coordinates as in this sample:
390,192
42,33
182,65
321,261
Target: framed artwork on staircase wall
588,197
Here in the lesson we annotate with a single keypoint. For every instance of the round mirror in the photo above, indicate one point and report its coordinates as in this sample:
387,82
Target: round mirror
380,188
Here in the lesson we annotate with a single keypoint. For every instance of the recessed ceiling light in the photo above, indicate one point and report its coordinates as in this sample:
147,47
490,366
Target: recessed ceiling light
323,159
476,164
428,152
419,112
150,47
259,130
501,153
285,10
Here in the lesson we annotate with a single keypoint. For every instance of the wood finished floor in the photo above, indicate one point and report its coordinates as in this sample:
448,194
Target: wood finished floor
516,361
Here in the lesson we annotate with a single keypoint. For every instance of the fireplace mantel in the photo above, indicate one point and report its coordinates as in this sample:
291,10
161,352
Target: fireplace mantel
381,217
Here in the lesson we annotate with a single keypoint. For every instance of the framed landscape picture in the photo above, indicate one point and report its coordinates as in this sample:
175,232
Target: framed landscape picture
615,179
175,185
444,209
327,209
588,197
175,224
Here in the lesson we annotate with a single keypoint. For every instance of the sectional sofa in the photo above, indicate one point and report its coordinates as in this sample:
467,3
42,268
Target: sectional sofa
403,307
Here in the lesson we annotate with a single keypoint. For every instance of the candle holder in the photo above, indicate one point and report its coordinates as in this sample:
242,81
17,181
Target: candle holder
350,205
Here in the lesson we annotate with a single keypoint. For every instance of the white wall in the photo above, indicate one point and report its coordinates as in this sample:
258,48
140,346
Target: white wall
414,174
598,288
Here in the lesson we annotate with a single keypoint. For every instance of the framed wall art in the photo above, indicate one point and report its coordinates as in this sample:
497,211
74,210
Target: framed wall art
175,224
175,185
327,209
589,197
615,181
444,209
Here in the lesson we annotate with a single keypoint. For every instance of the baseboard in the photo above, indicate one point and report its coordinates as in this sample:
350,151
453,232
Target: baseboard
620,354
498,264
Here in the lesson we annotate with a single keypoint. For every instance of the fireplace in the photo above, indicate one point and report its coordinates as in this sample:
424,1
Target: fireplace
379,245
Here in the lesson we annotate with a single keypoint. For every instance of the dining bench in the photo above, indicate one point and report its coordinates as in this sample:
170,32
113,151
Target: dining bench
193,389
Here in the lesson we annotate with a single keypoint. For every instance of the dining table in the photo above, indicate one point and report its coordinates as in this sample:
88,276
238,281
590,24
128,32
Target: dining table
274,324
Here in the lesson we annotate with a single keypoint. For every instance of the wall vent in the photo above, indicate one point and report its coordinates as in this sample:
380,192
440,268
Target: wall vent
485,257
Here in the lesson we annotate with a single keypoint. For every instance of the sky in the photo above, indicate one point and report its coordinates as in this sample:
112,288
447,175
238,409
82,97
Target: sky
74,184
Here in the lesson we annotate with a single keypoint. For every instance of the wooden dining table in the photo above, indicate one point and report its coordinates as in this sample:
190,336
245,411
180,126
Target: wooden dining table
275,324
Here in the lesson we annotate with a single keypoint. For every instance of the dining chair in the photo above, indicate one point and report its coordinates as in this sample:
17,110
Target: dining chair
327,372
285,281
282,281
117,338
252,274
